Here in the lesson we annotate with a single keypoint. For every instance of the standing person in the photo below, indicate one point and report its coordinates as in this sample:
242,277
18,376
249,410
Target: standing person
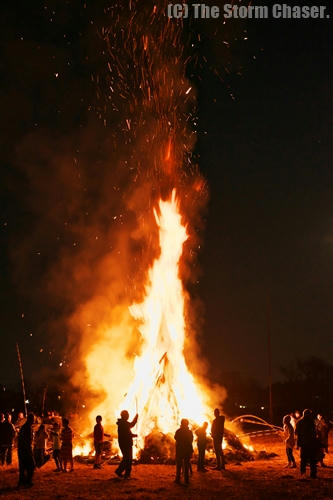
289,438
184,450
19,421
66,452
202,443
322,434
217,435
24,451
55,436
125,440
40,443
98,441
7,438
307,442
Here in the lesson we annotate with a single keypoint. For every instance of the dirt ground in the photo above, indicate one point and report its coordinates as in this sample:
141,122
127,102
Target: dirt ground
257,480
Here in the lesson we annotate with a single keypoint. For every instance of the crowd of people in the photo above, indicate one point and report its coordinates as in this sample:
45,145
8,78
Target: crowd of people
305,432
310,436
184,445
32,446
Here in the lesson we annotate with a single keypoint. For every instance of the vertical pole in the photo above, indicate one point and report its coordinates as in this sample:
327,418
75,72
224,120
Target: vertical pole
136,425
43,401
22,379
269,358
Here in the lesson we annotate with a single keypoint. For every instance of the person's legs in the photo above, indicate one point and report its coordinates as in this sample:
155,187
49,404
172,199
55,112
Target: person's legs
38,457
222,458
41,457
128,461
199,465
203,452
121,467
56,458
5,454
9,454
304,457
293,462
218,452
30,467
289,453
313,463
98,453
2,454
22,469
201,458
186,463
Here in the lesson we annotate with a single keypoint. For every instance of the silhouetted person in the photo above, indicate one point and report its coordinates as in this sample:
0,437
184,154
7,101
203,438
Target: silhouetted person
322,429
56,447
40,444
24,452
98,441
7,438
289,439
125,440
66,451
202,443
307,442
217,435
184,450
20,421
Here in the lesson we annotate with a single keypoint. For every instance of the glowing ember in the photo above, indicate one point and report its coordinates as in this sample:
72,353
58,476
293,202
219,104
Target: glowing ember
134,356
163,389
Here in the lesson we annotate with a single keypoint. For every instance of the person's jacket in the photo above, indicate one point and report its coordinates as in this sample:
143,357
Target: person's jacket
218,427
25,439
184,439
125,436
306,432
7,432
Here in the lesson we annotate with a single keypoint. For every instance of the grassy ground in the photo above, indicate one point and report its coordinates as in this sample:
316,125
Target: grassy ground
258,480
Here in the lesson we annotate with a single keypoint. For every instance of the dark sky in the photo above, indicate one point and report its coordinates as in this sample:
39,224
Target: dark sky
265,147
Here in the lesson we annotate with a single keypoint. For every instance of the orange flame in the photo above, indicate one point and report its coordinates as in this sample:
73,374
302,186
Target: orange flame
163,390
168,151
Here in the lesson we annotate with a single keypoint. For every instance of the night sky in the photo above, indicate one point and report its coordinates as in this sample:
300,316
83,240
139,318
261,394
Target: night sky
264,145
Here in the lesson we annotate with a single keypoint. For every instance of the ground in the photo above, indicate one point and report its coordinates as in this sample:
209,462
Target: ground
257,480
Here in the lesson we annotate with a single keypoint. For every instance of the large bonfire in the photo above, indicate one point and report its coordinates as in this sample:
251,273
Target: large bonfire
163,389
146,82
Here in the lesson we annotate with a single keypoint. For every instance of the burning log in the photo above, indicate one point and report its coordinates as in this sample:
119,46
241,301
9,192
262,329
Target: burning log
158,448
235,450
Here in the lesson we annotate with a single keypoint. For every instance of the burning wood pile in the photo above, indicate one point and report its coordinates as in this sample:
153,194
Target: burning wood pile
159,448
